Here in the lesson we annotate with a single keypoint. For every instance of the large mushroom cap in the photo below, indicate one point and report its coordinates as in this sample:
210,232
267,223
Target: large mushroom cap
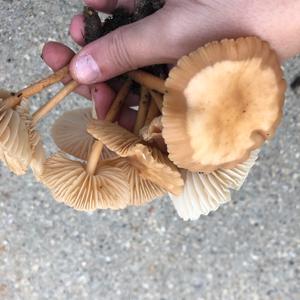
222,102
204,193
70,183
70,135
150,162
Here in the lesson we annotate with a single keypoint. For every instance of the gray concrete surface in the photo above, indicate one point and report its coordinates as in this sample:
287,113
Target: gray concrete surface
248,249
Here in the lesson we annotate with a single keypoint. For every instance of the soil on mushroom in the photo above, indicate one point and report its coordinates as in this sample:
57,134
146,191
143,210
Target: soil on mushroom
95,29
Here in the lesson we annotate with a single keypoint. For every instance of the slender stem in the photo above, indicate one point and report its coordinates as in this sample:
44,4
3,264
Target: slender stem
95,153
148,80
51,104
94,157
35,88
94,111
142,112
158,98
118,102
153,112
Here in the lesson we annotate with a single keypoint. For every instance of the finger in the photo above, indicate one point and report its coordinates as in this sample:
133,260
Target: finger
77,29
103,97
127,118
56,56
133,97
127,48
110,5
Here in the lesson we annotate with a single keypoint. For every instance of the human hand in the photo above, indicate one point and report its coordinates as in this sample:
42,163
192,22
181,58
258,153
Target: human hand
177,29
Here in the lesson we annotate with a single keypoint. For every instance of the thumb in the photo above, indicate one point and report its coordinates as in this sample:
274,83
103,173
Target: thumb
127,48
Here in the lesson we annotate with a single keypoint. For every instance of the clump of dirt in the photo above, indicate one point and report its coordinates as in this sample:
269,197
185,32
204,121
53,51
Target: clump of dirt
93,25
95,29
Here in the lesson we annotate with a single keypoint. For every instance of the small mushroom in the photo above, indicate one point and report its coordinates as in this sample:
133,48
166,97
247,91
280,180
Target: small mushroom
222,102
149,163
92,185
70,135
71,183
205,192
15,141
18,127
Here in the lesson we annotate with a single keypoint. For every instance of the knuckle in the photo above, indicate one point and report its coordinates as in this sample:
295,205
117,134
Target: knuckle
118,49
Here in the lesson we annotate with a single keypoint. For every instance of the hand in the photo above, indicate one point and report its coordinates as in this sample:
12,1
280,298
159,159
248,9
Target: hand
177,29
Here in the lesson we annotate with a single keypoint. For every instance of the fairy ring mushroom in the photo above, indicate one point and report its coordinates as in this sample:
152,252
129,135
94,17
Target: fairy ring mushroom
21,144
15,150
91,185
18,140
222,102
143,164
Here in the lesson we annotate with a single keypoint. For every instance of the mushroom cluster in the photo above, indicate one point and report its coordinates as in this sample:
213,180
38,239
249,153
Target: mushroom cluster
196,137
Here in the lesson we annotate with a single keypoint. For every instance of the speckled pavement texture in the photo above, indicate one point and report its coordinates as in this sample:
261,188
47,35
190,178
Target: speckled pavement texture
248,249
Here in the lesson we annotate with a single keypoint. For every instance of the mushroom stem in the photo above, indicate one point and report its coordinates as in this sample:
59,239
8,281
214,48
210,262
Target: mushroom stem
52,103
94,157
119,101
158,98
153,112
97,147
35,88
148,80
142,112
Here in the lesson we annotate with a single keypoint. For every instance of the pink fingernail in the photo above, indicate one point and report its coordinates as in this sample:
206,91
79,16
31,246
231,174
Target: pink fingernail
87,70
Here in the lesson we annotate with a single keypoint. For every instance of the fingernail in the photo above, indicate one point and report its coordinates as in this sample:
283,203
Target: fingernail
87,70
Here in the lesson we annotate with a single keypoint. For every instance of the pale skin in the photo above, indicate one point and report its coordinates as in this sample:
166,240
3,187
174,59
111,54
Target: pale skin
178,28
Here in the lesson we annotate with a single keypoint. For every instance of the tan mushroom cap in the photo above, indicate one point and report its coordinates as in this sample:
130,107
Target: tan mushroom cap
142,190
70,183
205,193
70,135
150,162
222,102
152,134
19,139
15,147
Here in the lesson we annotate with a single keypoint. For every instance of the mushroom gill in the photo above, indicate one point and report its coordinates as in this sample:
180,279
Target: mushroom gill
206,192
147,161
